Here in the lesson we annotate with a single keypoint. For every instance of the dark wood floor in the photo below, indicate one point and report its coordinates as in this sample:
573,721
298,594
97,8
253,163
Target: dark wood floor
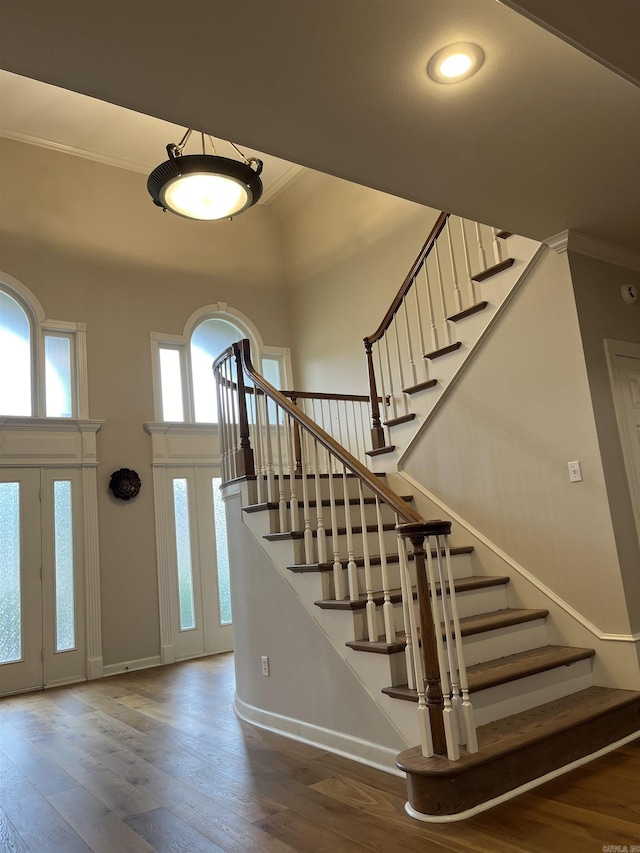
157,760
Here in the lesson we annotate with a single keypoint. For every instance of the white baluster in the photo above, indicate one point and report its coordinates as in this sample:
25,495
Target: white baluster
291,465
352,569
338,579
451,728
256,444
443,303
497,245
407,607
282,499
467,724
372,628
271,485
400,370
387,606
454,271
321,536
481,254
432,316
306,512
467,263
425,362
426,739
412,364
392,394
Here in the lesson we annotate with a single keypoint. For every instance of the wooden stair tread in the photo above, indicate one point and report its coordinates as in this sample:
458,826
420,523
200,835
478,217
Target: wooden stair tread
438,353
526,728
468,312
326,502
494,270
469,626
421,386
374,560
403,419
341,531
510,668
467,584
502,235
520,749
380,450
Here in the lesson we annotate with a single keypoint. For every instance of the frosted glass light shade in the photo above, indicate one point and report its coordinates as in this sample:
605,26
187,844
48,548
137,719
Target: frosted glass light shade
205,186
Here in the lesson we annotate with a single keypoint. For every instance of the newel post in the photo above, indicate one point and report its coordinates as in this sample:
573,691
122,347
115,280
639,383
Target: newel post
244,456
377,431
416,534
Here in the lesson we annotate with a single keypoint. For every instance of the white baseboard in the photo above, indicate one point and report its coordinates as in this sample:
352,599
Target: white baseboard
339,743
521,789
131,665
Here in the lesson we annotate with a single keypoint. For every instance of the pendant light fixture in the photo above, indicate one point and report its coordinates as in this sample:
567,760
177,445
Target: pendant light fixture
205,186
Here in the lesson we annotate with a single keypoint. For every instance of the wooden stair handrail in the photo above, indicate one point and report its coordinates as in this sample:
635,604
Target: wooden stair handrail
403,510
406,285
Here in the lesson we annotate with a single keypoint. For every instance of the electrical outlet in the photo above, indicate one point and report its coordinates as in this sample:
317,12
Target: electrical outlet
265,666
575,472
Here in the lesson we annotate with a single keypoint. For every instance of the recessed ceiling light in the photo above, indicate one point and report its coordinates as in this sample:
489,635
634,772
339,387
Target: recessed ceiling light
455,62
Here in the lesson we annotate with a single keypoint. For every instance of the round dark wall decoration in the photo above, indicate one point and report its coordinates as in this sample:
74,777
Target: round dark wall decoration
125,484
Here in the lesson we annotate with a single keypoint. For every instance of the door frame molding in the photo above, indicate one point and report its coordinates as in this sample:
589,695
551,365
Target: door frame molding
626,349
66,443
174,445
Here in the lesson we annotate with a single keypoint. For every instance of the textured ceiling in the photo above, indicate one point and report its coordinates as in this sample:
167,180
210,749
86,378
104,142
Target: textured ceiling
544,138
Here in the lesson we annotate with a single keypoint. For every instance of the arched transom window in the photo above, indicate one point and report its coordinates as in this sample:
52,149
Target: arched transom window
184,384
43,361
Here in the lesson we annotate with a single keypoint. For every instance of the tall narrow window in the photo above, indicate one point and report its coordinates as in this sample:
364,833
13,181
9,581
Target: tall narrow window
222,554
183,554
209,339
15,350
63,537
171,385
58,382
10,600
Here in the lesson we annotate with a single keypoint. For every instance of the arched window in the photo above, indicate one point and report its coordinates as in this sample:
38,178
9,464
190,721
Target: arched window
183,377
43,361
15,356
208,340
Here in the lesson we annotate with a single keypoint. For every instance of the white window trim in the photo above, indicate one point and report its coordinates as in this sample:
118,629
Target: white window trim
218,311
41,326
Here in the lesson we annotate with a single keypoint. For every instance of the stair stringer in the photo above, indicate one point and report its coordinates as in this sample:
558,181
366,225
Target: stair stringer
471,332
373,672
616,662
301,660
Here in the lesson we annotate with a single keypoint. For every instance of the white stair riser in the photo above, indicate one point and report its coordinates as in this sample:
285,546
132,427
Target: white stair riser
501,701
339,542
491,645
470,603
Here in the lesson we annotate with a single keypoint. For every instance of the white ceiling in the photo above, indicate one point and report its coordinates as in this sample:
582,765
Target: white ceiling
41,114
543,139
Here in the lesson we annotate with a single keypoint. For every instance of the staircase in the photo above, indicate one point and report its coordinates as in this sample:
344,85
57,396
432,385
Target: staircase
438,642
534,703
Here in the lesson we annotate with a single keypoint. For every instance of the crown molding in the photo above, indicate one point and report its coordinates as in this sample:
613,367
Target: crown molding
582,244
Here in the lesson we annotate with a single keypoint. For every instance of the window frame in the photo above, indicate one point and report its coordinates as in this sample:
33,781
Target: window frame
41,327
182,343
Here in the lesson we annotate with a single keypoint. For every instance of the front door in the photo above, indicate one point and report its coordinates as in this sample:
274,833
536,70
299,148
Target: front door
42,625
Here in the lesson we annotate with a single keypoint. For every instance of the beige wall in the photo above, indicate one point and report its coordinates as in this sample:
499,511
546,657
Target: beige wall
602,314
90,244
497,451
347,250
